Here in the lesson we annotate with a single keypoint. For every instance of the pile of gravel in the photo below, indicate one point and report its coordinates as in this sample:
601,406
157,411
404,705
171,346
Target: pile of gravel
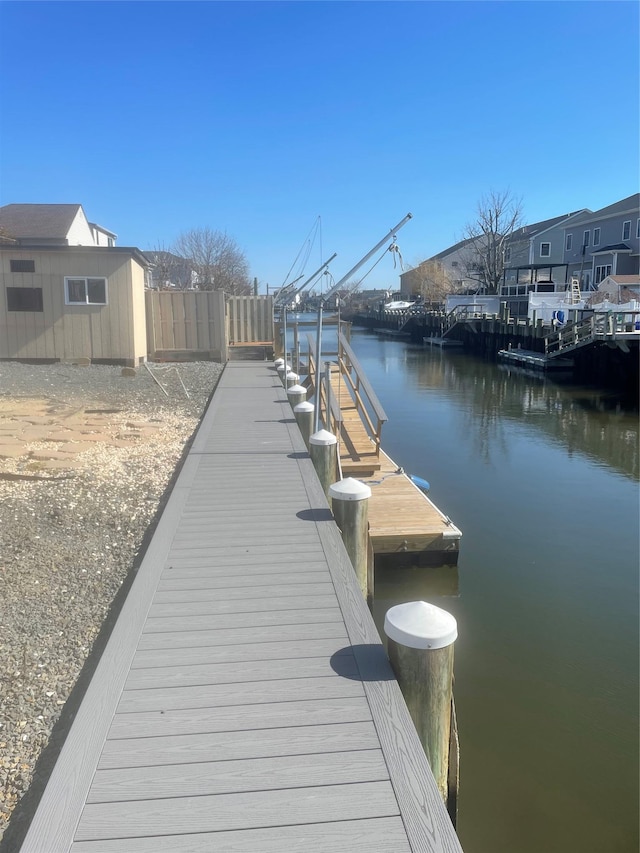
69,540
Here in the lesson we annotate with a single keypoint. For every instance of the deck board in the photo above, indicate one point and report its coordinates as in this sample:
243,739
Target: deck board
244,700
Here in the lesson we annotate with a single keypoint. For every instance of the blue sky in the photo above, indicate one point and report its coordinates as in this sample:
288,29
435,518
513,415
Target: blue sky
255,118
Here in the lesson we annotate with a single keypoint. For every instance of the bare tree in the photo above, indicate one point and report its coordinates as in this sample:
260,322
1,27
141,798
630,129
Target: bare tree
169,270
430,280
216,259
498,215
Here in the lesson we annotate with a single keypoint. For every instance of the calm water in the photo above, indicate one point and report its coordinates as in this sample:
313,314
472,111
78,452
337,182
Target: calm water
543,481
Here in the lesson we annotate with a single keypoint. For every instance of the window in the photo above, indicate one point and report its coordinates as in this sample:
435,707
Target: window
507,254
602,272
22,266
596,236
585,238
545,250
638,229
626,229
24,299
569,242
85,291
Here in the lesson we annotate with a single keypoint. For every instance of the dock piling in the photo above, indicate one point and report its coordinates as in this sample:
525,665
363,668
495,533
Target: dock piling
304,418
421,639
349,502
323,449
296,394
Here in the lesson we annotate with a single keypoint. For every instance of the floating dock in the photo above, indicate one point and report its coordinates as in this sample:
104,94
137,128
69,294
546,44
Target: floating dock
537,360
244,701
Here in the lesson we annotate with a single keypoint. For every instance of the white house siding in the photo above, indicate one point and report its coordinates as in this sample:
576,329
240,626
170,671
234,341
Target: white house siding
112,332
80,233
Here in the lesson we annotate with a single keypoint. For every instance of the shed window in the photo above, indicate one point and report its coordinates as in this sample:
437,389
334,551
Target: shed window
85,291
24,299
545,250
18,265
626,229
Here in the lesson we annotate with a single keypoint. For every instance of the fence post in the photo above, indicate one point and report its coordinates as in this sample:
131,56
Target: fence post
349,502
421,638
323,449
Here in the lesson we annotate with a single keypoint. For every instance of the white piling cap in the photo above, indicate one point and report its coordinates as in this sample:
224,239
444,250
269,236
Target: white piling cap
349,490
281,367
323,437
305,406
279,362
296,389
292,375
419,625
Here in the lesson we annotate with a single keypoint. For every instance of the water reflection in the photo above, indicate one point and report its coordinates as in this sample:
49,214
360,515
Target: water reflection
541,476
584,420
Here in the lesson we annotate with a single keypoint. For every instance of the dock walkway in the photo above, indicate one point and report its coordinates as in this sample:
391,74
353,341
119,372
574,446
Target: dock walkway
244,701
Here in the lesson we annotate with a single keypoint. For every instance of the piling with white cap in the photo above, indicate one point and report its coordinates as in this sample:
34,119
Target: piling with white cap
323,449
421,639
350,505
283,369
304,418
291,379
296,394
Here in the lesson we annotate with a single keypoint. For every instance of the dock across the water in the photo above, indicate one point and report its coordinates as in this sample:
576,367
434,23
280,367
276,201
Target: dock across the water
244,701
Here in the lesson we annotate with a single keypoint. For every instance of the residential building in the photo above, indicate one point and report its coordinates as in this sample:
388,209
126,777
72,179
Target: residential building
64,294
53,225
604,242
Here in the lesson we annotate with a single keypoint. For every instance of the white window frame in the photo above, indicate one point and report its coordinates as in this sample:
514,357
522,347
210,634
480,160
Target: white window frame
507,254
86,279
586,238
602,272
568,243
627,225
546,254
638,229
596,236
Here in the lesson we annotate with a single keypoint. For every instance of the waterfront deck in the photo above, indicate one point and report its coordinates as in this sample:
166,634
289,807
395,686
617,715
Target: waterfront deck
244,701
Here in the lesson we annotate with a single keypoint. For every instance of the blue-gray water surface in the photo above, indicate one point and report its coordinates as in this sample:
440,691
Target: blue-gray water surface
542,478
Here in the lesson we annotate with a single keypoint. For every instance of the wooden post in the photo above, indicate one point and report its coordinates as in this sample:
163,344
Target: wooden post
304,418
421,638
296,394
291,379
284,368
323,449
350,502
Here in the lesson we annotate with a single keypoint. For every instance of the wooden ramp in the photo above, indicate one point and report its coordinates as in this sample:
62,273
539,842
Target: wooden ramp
358,453
244,701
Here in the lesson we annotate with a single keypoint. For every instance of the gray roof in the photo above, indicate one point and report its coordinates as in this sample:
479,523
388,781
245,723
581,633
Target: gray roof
44,221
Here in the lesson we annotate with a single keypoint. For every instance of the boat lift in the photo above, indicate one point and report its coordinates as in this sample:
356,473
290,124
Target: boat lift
336,287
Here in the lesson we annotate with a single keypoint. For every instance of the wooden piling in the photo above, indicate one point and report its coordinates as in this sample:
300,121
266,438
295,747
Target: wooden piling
350,501
304,418
296,394
323,449
421,638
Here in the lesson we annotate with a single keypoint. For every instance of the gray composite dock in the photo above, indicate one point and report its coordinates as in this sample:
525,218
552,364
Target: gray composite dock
244,701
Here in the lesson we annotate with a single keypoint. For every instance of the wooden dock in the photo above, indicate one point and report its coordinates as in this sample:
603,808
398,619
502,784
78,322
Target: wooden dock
244,701
402,519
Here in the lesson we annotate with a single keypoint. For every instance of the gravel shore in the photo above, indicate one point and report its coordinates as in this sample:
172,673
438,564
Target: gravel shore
86,455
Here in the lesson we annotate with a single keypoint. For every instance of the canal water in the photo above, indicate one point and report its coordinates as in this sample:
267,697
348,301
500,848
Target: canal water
542,478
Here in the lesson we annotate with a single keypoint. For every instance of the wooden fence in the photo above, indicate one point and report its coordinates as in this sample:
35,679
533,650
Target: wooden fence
203,324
